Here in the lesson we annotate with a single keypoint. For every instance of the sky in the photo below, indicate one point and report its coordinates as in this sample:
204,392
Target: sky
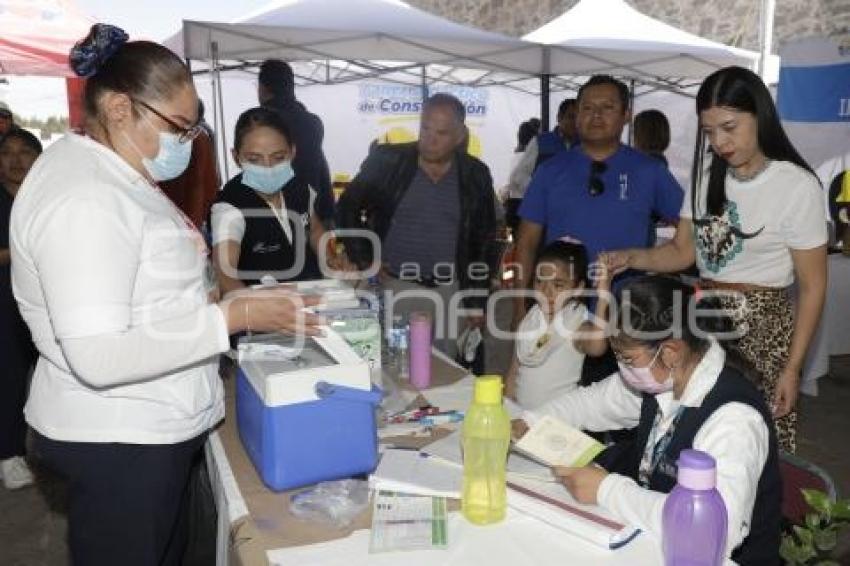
150,19
158,19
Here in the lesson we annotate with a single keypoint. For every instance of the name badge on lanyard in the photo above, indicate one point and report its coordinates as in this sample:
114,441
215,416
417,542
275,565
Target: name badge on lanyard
653,454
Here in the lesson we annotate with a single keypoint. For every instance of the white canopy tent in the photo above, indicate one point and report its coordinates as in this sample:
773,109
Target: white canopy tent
346,40
342,41
611,37
354,39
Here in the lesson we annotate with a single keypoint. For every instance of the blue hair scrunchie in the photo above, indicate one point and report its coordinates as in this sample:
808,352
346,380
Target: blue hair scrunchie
90,53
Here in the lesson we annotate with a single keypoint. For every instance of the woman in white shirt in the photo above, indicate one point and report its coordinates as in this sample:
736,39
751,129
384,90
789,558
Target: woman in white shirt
681,390
109,276
754,222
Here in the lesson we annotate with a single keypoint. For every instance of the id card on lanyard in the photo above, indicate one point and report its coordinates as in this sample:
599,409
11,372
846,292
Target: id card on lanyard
655,446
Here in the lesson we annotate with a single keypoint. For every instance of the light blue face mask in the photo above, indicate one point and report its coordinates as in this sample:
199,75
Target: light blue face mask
267,180
171,159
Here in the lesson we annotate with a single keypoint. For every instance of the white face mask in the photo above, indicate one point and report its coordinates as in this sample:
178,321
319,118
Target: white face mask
267,180
172,158
641,379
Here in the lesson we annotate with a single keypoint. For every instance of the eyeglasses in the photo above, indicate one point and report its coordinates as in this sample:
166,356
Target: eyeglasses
184,134
595,185
630,362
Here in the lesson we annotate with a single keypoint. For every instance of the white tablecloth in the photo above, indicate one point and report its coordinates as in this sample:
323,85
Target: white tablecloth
517,541
833,334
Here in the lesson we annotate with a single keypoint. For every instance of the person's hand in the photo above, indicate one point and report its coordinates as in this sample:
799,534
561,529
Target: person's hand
616,261
510,389
278,309
340,262
518,428
787,391
582,483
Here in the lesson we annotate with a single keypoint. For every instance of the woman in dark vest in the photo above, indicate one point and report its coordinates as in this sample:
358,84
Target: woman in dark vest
681,390
264,222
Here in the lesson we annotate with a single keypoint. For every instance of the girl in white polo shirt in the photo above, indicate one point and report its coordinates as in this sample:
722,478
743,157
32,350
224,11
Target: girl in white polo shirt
109,276
555,335
754,222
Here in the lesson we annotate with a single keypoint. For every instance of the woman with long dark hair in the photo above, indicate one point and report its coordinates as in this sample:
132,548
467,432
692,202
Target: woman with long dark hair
754,223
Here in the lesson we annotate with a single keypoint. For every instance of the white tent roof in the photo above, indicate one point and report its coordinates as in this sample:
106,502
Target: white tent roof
342,40
609,36
377,31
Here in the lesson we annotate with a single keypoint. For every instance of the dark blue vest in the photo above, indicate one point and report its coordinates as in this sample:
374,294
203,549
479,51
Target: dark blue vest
265,247
548,144
761,547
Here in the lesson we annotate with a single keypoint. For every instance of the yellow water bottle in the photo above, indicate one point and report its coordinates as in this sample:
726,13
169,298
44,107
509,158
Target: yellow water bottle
486,437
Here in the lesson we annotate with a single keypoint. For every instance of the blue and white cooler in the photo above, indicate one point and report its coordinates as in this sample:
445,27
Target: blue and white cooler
305,408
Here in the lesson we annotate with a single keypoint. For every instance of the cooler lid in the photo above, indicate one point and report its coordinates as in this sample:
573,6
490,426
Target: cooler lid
284,369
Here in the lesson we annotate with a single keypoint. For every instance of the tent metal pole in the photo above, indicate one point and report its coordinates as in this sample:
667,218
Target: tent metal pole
632,110
545,85
768,9
424,83
219,110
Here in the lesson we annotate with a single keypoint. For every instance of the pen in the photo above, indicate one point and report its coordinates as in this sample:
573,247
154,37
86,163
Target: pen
444,418
413,416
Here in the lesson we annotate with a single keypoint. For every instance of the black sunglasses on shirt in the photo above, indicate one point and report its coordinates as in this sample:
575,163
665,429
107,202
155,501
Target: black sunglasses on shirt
595,185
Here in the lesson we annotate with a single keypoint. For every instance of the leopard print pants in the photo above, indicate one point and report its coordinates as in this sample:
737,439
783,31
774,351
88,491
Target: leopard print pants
766,319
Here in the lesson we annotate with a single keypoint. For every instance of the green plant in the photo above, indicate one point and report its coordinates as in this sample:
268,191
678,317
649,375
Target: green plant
814,542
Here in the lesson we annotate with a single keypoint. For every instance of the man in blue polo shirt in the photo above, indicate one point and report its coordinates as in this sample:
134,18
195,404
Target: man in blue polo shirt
601,192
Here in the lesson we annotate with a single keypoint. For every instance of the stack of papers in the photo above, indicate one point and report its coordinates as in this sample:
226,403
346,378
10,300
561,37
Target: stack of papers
458,397
534,491
448,449
413,472
408,522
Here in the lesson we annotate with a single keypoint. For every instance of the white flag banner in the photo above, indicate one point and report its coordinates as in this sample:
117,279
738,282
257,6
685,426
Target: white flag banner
813,98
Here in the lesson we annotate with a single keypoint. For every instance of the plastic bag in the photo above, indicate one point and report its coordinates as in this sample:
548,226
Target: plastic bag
334,503
395,399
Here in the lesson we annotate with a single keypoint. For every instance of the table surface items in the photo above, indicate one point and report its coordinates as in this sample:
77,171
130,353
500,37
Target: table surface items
264,531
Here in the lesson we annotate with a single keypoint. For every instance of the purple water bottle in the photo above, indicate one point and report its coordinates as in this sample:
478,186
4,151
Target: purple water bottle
694,519
420,350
